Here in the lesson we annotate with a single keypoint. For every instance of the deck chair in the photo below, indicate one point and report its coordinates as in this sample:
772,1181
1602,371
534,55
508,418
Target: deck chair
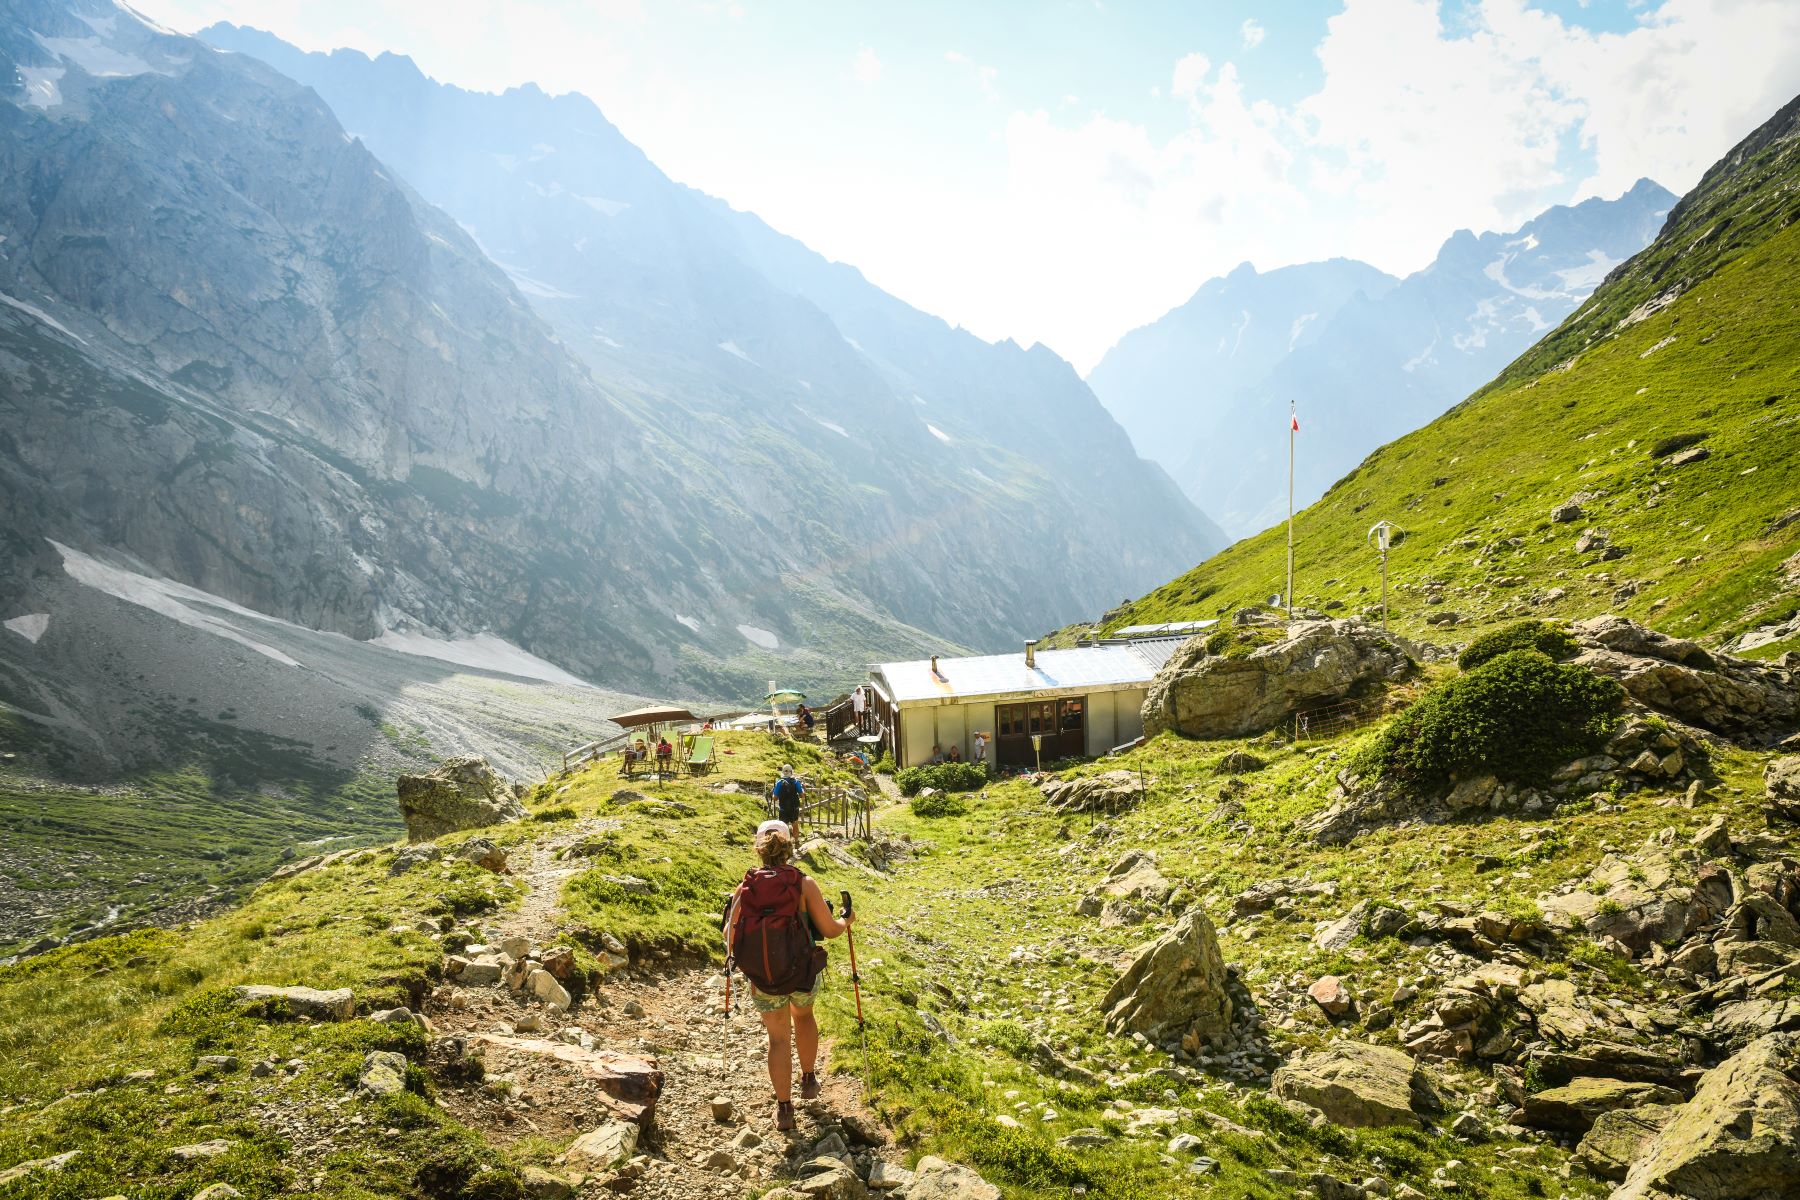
700,755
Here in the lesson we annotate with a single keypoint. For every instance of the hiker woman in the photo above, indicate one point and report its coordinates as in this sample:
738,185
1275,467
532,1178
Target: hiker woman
769,932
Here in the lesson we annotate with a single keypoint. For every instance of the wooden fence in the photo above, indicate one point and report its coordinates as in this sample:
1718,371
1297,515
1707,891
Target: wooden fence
830,808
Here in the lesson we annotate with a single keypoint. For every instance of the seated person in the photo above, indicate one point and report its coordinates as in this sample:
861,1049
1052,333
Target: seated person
955,754
664,749
937,754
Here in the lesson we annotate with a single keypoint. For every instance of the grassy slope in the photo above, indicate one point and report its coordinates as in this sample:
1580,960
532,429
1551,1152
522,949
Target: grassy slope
977,936
1580,412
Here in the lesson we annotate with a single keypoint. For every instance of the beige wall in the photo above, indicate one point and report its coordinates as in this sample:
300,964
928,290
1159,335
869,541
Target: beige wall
1113,718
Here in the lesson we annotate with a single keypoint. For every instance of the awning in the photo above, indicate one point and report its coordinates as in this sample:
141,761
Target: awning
785,696
651,716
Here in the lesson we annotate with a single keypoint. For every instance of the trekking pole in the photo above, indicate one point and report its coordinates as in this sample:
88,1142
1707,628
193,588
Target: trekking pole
725,1024
856,987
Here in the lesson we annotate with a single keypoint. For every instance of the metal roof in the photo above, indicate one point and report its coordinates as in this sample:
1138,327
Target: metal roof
1166,629
1110,665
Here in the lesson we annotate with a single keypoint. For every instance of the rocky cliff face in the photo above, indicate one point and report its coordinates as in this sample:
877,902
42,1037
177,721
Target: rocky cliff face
976,490
240,352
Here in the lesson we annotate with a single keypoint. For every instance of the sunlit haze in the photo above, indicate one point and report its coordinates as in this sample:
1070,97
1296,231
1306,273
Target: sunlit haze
1064,173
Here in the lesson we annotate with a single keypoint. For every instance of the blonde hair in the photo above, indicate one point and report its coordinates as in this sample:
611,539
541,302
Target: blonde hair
774,847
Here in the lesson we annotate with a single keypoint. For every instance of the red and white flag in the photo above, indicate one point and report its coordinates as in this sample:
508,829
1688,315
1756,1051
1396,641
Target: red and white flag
1295,418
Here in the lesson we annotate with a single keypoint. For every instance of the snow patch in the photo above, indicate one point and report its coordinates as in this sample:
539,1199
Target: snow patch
690,622
1420,359
170,599
832,425
1242,327
1588,276
733,348
484,652
532,287
31,626
918,399
1300,324
41,90
761,637
603,206
40,314
1525,244
96,57
939,434
854,344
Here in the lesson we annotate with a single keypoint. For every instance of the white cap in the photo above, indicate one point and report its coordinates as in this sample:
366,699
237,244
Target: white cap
780,827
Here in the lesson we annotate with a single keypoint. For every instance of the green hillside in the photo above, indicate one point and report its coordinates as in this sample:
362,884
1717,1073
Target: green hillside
1694,341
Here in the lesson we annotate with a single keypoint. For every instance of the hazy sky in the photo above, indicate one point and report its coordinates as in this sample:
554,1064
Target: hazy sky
1066,170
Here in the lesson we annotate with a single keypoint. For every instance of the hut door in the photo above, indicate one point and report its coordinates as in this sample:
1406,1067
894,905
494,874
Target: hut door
1013,726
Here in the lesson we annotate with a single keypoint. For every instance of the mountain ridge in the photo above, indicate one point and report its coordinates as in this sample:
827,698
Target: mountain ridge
1375,365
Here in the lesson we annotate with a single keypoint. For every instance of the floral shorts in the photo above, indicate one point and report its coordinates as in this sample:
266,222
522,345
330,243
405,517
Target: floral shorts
769,1004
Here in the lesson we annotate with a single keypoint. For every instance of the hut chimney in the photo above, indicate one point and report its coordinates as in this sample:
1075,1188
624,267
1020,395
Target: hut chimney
934,670
1031,655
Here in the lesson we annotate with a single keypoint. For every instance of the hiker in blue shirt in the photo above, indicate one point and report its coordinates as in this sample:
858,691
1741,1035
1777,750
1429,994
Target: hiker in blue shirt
787,796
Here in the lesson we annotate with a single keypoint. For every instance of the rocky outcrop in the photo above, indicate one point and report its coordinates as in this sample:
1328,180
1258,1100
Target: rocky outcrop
1781,784
935,1179
335,1004
463,793
1110,792
1175,989
1206,695
1575,1106
1641,753
1750,702
1619,1136
1737,1139
1360,1085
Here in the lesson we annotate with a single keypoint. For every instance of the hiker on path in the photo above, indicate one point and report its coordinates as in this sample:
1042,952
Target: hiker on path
770,931
788,791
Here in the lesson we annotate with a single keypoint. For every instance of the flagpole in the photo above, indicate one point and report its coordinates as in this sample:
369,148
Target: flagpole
1293,426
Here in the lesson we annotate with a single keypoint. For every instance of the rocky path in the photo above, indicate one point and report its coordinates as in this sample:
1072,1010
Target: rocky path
542,1066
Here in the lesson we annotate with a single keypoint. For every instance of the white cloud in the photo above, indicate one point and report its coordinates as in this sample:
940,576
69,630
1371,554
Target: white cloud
1253,33
1190,73
1416,130
866,67
984,75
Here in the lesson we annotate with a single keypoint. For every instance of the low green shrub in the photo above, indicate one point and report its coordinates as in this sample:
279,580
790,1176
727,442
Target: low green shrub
1525,635
1518,717
885,765
939,804
945,777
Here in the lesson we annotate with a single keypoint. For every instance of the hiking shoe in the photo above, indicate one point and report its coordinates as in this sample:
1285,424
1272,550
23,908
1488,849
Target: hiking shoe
809,1086
784,1115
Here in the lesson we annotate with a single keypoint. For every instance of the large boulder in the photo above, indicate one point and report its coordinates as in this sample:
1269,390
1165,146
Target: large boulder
1737,1139
1207,695
1359,1084
935,1179
1110,791
334,1004
1618,1136
1781,784
1750,702
463,793
1174,987
1575,1106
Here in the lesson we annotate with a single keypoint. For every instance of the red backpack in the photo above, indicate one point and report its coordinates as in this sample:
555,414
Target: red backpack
772,942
